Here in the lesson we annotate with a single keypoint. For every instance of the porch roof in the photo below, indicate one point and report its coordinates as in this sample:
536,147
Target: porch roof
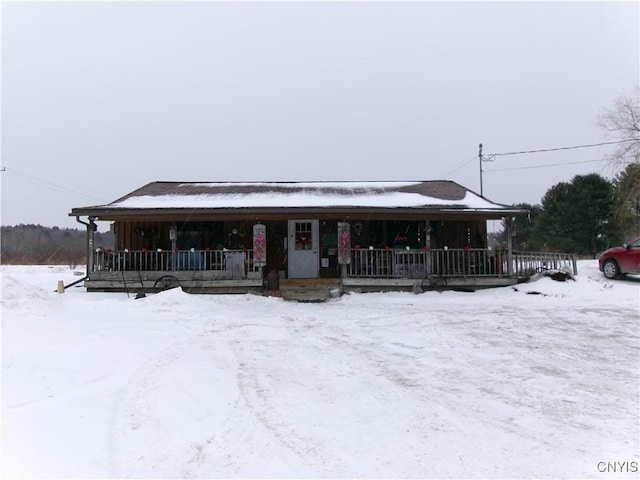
224,198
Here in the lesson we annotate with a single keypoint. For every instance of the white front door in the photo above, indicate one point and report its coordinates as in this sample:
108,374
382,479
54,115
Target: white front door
303,248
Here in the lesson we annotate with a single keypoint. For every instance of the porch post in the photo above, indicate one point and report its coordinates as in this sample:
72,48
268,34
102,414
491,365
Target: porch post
427,246
91,229
509,227
173,236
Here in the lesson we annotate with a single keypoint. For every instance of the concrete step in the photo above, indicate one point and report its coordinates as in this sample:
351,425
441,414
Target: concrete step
310,289
291,283
310,295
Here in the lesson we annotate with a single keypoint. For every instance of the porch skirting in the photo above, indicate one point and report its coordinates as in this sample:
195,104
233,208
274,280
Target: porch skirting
429,283
156,281
370,270
214,282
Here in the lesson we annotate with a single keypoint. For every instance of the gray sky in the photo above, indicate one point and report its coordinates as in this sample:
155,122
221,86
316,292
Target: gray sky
100,98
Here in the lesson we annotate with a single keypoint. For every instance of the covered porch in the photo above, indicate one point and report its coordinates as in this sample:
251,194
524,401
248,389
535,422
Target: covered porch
265,237
370,269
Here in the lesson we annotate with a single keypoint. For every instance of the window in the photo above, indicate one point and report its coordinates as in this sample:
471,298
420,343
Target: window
304,237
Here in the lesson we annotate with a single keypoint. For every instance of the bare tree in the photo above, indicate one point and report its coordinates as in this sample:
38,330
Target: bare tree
627,201
621,123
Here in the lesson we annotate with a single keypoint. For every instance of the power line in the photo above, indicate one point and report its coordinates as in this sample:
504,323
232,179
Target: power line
491,156
544,166
457,168
44,183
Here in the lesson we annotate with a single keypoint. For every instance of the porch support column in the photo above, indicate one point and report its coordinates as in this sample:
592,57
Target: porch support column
91,228
509,228
91,235
427,246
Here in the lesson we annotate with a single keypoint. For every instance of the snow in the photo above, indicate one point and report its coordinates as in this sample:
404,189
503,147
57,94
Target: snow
347,186
310,198
540,381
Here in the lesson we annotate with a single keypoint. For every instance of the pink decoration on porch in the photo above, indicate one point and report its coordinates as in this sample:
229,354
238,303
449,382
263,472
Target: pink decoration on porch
344,243
259,245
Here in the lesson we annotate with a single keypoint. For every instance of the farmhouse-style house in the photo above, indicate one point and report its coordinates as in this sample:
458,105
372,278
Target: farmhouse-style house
269,236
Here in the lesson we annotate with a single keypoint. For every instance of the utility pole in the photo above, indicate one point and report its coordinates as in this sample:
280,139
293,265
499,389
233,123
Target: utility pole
480,158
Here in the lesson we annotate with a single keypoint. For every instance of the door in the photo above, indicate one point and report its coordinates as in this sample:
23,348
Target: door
302,248
630,259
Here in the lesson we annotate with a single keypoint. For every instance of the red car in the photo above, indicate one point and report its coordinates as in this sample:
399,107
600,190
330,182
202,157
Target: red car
620,260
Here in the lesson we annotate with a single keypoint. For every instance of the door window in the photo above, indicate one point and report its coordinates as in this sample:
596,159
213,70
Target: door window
304,237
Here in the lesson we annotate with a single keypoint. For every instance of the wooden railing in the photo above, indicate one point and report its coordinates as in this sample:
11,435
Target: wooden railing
467,262
165,260
529,263
413,263
373,262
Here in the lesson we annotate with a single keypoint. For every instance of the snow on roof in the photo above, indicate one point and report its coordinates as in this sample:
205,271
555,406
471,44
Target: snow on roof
215,195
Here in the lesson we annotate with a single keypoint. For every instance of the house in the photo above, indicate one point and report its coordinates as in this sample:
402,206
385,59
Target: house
256,236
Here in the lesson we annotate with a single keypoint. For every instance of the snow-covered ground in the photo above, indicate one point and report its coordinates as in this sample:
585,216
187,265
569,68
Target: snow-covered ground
493,384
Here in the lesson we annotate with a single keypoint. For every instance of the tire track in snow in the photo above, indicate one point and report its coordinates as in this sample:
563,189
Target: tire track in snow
156,398
258,388
131,409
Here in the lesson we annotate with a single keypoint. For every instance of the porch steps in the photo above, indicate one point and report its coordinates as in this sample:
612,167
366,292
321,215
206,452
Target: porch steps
309,289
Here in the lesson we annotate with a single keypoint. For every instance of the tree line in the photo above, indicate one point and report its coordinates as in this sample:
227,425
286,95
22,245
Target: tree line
591,213
38,245
584,216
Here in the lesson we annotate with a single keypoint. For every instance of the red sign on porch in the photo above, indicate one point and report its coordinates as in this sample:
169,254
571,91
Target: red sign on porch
259,245
344,243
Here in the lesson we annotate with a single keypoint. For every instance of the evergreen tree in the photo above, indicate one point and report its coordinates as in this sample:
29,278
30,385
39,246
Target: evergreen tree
577,217
522,229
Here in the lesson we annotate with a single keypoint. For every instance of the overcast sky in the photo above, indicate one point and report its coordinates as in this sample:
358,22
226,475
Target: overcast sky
100,98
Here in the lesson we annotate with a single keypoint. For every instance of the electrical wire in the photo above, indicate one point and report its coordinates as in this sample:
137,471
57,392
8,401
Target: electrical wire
491,156
457,168
25,177
543,166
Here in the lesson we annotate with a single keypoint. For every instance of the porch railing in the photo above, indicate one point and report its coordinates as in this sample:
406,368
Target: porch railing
421,263
453,263
382,263
237,261
528,263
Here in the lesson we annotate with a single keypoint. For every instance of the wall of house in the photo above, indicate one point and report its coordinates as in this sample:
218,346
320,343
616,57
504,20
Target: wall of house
418,234
458,234
139,235
365,233
215,235
329,266
276,252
